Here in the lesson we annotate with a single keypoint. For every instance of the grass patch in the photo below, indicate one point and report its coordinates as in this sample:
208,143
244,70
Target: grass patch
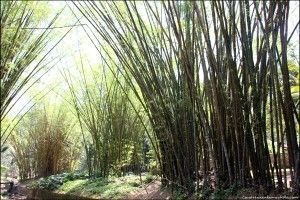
103,188
72,186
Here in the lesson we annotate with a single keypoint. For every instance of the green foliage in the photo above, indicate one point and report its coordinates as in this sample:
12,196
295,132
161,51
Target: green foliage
3,169
153,165
50,183
78,184
180,194
24,49
112,129
149,178
223,193
103,188
294,82
55,181
204,192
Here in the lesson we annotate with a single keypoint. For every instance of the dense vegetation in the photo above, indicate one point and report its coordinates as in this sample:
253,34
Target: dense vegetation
43,144
203,94
220,121
24,50
80,185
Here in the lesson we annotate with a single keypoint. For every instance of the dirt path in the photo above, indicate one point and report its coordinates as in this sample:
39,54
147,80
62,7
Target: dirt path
16,193
152,191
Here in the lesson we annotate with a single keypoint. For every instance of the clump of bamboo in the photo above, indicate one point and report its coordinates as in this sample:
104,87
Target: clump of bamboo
42,144
24,50
207,95
112,131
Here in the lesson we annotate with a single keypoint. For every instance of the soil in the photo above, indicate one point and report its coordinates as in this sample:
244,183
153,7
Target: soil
17,192
150,191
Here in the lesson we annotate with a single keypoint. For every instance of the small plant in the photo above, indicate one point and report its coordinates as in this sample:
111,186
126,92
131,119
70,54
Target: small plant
219,193
180,194
55,181
134,184
204,192
149,178
3,169
103,188
50,183
222,193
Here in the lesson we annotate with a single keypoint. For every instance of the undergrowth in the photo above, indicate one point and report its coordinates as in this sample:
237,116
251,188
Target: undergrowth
80,185
55,181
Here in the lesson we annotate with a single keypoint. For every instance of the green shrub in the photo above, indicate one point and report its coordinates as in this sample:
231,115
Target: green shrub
204,192
134,184
149,178
180,194
222,193
55,181
3,170
50,183
219,194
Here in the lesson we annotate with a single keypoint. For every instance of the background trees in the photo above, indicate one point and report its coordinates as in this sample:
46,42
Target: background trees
112,131
44,143
24,49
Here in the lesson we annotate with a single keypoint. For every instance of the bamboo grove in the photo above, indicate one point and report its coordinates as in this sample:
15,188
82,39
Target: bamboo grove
112,135
43,143
213,79
24,52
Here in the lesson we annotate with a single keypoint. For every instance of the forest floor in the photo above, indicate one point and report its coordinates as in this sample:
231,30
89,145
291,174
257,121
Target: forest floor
127,188
151,191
